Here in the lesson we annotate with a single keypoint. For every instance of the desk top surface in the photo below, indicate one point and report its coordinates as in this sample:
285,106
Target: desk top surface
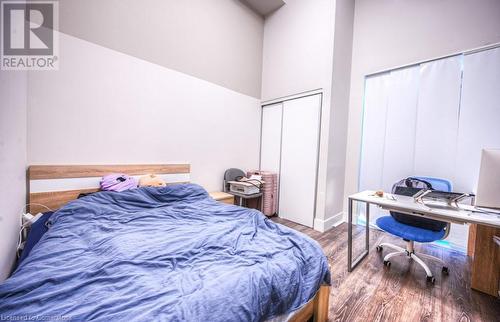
408,205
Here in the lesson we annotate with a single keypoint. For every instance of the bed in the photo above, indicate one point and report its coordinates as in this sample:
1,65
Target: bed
167,254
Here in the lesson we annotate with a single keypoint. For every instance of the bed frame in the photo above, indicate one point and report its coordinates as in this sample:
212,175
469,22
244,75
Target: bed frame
317,309
53,186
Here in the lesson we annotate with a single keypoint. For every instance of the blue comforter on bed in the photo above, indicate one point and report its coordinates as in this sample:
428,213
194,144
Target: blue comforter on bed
163,254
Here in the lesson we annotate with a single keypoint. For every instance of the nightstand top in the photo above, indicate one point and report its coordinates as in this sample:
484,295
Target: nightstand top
219,195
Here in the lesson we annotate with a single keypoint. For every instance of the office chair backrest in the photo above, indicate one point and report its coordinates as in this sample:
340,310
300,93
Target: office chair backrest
437,183
232,174
408,187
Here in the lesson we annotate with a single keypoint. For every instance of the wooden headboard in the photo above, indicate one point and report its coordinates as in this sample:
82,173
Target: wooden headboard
55,185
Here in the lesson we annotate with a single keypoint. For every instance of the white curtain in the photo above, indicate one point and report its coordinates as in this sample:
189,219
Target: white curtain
479,125
437,127
400,126
388,131
377,91
437,118
431,120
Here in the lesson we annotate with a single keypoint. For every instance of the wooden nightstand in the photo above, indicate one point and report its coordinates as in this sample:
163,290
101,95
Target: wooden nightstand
222,197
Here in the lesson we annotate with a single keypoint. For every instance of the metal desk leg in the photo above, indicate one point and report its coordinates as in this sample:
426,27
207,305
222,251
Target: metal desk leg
367,228
350,264
349,234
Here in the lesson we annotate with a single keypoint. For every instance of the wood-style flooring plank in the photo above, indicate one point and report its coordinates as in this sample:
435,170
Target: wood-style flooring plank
373,292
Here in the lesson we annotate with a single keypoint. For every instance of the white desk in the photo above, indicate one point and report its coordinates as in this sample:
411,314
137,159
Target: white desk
408,206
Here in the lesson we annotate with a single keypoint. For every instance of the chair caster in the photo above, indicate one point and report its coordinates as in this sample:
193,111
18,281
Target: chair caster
387,264
379,248
445,270
431,279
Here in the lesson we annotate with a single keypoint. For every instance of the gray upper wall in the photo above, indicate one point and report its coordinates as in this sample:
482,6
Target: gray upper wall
216,40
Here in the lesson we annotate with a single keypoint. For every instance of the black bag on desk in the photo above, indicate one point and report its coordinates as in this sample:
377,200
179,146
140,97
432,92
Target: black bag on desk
409,187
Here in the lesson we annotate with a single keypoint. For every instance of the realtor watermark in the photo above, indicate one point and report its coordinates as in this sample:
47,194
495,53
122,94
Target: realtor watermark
29,38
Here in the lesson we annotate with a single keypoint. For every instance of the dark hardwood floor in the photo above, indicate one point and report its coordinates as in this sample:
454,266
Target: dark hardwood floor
373,292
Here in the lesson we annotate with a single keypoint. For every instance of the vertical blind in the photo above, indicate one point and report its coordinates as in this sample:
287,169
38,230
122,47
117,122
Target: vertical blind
431,119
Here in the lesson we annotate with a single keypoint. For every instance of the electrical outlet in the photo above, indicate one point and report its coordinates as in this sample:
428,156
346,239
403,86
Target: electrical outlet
28,217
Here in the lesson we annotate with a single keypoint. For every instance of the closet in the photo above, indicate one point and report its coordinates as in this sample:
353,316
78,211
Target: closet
289,146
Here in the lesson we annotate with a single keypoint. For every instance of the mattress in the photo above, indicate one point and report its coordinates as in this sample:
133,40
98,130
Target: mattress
168,254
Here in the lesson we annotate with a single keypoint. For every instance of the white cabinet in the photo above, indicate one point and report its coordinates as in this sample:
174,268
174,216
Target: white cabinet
289,146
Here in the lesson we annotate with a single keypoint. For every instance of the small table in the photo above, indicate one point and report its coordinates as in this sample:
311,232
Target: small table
242,197
223,197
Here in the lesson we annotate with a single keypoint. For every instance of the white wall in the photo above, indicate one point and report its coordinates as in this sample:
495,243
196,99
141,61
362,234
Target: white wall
215,40
103,106
12,163
298,48
390,33
342,55
298,57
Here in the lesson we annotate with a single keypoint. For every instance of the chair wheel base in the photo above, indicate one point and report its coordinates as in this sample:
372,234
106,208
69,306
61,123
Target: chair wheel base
387,263
379,248
431,279
445,270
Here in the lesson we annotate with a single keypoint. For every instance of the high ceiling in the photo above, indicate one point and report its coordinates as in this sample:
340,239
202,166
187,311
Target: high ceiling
264,7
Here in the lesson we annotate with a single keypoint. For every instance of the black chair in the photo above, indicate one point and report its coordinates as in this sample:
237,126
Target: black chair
232,174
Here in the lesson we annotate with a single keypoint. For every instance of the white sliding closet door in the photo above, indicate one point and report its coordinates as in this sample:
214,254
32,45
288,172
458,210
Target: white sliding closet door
479,115
437,118
270,145
299,159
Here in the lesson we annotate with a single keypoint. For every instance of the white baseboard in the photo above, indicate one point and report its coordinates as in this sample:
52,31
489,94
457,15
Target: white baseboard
323,225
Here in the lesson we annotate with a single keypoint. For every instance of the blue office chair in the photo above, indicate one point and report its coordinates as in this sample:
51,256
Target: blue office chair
415,229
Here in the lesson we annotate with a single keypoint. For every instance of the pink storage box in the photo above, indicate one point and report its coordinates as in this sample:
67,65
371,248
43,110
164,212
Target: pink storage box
269,191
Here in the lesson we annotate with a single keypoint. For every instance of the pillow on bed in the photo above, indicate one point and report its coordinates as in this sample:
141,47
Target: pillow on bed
151,180
118,182
37,230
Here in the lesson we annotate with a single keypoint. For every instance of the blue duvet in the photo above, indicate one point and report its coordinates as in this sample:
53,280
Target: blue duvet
163,254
